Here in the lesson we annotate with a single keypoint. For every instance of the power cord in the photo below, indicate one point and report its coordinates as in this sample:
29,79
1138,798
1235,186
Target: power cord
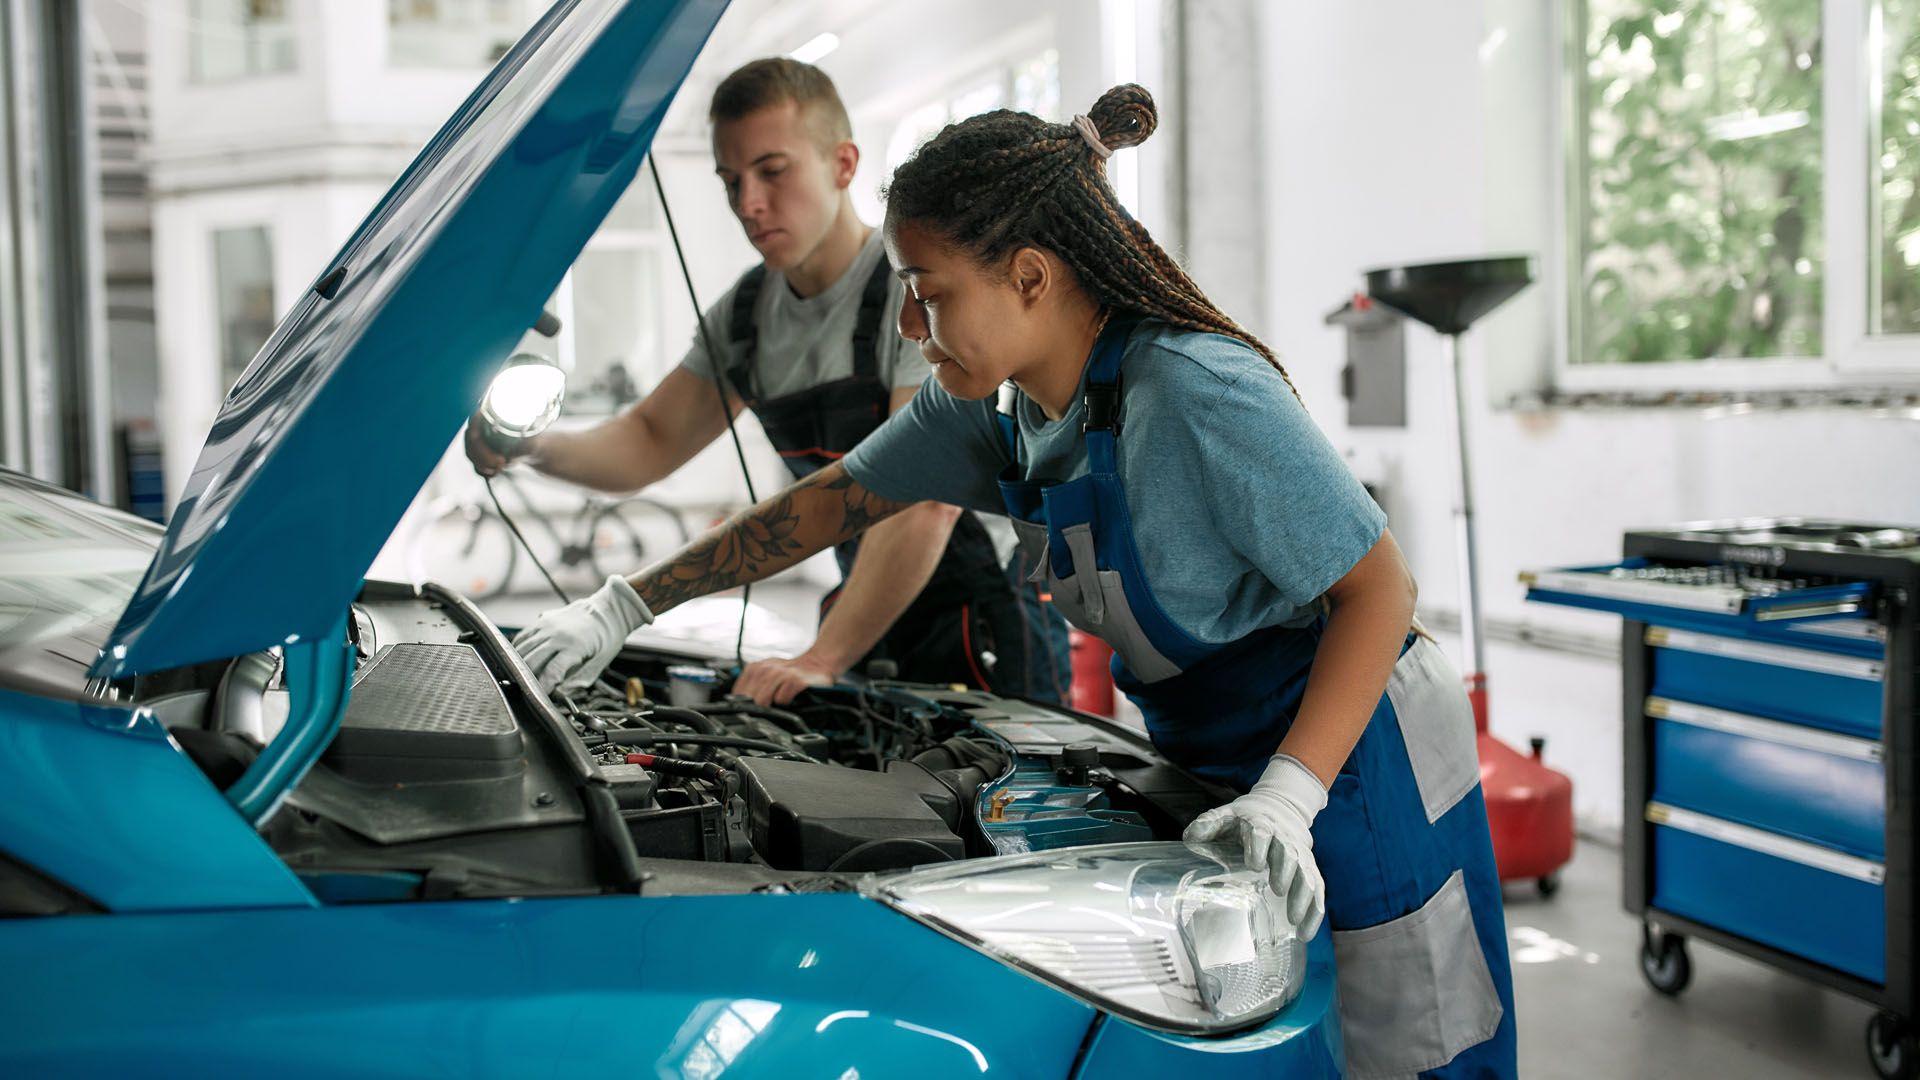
524,546
719,388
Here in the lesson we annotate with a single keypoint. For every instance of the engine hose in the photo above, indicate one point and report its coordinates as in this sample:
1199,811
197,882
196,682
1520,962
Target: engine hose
958,752
654,738
698,721
792,722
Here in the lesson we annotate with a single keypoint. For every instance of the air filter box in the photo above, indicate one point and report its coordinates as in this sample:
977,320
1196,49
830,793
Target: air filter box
806,816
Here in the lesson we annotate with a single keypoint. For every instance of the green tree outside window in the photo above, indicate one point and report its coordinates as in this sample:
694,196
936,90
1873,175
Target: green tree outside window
1700,180
1896,169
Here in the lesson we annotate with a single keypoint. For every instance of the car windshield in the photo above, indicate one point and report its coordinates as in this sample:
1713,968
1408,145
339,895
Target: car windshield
67,569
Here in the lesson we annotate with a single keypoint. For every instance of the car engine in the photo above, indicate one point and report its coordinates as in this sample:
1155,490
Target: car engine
451,775
839,780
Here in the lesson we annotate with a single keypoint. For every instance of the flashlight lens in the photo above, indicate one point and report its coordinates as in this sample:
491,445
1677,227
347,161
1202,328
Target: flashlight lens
524,399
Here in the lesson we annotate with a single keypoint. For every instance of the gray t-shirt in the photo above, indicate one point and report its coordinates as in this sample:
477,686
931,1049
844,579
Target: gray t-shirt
1242,512
805,342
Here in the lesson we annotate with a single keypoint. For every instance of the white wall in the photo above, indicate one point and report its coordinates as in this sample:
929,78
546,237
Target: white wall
1402,131
307,224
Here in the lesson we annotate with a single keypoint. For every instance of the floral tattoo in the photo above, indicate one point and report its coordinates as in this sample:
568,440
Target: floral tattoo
768,537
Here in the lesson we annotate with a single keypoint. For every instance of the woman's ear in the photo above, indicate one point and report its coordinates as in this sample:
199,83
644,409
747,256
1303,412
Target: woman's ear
1031,272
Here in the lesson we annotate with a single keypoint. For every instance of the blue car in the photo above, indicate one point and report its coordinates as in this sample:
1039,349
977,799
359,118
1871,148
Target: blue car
259,815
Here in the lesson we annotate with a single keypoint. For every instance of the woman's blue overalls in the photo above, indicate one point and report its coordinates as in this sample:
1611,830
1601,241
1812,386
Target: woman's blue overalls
1413,899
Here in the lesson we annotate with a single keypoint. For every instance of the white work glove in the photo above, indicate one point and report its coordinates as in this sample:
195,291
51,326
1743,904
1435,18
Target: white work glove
570,646
1274,823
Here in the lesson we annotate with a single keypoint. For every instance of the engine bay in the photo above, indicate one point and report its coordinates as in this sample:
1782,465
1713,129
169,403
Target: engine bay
451,775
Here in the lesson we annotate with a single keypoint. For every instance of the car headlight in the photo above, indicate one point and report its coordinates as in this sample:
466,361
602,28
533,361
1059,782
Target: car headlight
1174,936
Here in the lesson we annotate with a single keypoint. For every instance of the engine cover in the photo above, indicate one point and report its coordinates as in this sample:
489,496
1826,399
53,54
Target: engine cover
427,712
804,816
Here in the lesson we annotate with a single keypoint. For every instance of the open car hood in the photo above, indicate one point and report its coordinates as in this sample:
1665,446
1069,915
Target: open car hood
328,435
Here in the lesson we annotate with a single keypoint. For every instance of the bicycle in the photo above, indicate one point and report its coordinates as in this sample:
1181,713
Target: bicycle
602,536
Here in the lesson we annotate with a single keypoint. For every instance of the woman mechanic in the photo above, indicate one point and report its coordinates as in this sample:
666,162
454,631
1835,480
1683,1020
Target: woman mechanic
1191,515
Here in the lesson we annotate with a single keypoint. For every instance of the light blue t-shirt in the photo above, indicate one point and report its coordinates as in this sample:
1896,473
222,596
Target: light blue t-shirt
1243,514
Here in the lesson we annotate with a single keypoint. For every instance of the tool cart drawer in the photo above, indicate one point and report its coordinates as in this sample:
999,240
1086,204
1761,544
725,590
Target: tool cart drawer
1814,785
1648,591
1801,898
1824,689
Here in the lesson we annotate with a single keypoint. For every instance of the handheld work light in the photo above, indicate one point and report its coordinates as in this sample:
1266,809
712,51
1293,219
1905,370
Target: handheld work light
521,401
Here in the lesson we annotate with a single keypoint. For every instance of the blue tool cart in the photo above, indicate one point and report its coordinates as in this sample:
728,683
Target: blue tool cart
1768,677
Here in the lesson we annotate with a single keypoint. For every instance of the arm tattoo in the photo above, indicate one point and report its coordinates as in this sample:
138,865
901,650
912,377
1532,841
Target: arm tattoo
767,538
860,508
734,553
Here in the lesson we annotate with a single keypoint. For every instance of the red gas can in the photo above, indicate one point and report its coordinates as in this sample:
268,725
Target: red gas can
1092,690
1530,811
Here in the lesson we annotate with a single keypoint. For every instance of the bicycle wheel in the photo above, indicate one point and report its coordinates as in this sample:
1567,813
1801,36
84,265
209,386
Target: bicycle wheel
469,548
626,532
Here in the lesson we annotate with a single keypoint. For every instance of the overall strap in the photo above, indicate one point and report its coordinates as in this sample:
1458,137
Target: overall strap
743,331
866,326
1103,392
1005,401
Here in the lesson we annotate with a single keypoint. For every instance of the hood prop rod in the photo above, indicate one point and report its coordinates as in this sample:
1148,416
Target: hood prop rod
319,679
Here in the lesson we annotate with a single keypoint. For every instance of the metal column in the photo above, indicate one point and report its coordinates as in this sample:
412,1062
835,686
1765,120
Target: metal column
55,408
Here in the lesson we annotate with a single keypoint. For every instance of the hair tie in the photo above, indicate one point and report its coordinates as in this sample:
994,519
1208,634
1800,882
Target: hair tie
1085,126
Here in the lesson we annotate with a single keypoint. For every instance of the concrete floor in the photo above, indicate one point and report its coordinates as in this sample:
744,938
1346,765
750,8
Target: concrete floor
1584,1010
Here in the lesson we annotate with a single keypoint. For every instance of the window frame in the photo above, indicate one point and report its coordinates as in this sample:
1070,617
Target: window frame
524,15
996,60
196,42
1850,102
1873,78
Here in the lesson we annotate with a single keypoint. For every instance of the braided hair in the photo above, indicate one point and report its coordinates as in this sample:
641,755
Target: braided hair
1003,180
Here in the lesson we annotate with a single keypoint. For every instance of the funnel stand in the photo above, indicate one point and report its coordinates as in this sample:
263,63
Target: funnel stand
1470,633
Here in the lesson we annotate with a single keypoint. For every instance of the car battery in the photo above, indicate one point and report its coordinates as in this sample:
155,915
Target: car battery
1768,679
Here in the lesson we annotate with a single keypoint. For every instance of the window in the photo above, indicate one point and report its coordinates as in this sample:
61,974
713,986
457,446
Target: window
913,130
453,33
234,39
612,338
726,1030
1036,85
71,567
617,290
982,97
243,288
1032,85
1699,181
1894,246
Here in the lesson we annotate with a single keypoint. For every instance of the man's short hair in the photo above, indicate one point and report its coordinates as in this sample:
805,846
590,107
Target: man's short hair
775,80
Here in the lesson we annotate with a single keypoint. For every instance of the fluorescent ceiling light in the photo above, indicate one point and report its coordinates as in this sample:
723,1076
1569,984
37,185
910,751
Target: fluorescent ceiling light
821,45
1736,126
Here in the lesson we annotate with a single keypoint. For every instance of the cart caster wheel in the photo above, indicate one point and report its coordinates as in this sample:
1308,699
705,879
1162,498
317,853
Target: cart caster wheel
1548,885
1890,1047
1663,960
